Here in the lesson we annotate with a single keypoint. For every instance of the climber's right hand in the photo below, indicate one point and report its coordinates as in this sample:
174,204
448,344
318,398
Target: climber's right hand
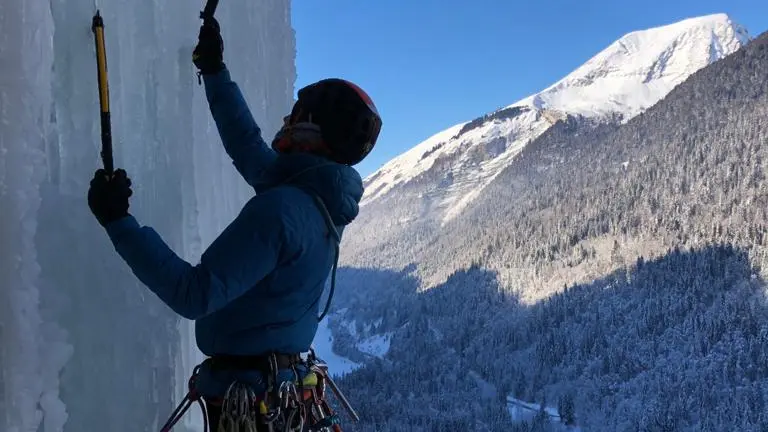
208,55
108,195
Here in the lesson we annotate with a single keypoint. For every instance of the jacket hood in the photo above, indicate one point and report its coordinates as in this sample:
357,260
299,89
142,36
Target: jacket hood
339,186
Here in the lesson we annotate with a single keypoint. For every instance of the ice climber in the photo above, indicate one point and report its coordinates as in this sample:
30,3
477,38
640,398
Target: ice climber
255,296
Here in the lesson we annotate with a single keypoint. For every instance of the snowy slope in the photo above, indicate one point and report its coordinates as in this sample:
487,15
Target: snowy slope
522,411
338,366
83,345
626,78
376,345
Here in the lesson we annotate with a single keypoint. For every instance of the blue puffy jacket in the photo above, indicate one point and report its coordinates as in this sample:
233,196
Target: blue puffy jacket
258,286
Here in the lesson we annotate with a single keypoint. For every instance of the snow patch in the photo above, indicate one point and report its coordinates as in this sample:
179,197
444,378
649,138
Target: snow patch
377,345
520,410
410,164
323,345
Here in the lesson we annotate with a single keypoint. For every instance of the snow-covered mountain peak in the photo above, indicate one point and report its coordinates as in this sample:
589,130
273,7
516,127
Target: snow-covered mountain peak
641,67
623,80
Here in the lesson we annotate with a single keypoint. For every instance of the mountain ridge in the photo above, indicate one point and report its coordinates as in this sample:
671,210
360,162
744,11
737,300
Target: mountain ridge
616,84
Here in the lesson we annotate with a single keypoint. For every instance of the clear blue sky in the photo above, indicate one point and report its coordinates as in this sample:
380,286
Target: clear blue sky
430,64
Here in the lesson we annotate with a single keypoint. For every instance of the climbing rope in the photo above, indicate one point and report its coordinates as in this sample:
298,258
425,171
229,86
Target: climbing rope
191,397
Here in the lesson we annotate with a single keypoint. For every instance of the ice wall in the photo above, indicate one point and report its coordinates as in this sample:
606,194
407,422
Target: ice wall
83,346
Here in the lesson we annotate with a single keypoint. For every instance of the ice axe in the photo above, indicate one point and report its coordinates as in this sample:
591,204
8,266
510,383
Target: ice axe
101,62
207,16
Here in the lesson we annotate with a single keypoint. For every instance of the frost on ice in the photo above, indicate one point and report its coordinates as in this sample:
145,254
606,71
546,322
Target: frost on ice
82,344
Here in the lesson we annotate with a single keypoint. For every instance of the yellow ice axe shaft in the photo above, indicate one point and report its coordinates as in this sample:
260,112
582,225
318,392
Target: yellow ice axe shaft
101,61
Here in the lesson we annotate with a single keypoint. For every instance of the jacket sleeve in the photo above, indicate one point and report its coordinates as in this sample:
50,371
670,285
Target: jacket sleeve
238,130
245,252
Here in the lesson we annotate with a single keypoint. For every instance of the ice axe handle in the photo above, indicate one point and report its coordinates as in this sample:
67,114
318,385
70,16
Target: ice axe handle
101,62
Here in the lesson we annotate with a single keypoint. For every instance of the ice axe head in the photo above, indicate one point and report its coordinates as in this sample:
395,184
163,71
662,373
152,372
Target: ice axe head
210,8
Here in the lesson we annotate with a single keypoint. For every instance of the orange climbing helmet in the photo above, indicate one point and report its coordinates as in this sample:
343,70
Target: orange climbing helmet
332,117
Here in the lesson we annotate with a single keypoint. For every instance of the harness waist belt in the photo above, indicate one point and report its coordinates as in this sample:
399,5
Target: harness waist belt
258,362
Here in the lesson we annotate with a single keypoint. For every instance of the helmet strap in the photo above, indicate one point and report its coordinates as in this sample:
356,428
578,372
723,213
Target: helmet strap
302,137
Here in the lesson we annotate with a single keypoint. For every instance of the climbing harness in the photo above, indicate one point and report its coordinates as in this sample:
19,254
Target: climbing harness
289,406
97,27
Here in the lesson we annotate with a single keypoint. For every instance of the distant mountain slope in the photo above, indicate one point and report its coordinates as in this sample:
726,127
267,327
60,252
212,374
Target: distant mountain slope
580,201
661,222
626,78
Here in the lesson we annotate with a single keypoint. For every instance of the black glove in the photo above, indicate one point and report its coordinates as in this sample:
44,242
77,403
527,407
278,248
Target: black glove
208,55
108,196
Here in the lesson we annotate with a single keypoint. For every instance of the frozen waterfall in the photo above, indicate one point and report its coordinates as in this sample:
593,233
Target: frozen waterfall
83,346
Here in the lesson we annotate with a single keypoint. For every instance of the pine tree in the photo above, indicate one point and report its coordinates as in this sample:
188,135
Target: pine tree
566,409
